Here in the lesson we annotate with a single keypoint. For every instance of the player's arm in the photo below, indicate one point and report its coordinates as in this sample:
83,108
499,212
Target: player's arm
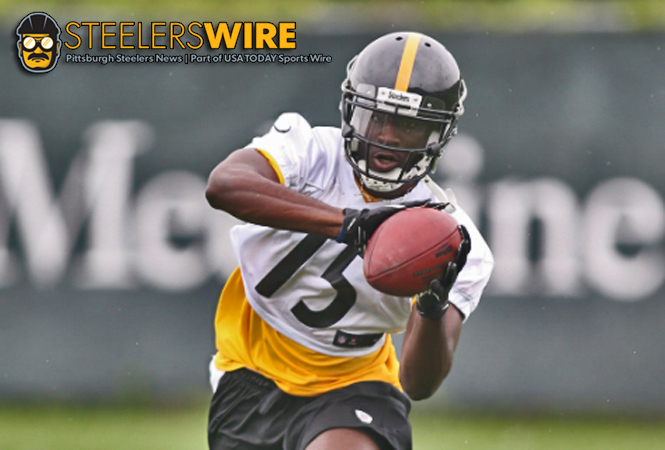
433,332
246,186
427,352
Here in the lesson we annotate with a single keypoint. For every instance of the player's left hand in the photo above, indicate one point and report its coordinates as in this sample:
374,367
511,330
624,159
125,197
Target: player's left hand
433,303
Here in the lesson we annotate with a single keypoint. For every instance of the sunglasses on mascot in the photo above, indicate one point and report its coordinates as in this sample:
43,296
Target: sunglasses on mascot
45,43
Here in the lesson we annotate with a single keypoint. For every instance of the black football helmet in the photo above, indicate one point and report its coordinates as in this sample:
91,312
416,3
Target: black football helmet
401,99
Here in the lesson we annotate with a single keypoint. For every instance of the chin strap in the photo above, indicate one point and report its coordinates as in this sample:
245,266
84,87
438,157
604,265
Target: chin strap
383,186
376,185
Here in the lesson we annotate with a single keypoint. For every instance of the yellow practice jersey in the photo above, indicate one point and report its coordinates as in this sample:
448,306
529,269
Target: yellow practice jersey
243,339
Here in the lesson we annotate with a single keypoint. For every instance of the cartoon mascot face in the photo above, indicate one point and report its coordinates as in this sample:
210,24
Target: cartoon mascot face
38,43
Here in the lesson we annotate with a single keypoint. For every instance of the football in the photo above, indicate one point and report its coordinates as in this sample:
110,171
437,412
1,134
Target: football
410,249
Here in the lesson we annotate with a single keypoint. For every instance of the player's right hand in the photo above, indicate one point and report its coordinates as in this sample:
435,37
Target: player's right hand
359,226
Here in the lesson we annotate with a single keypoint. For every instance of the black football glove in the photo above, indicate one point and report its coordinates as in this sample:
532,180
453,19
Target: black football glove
433,303
359,226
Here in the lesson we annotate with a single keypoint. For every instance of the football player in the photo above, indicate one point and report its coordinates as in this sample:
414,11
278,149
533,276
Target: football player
305,358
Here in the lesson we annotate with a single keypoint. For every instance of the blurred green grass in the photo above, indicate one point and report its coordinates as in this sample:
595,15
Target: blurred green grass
146,428
523,432
102,428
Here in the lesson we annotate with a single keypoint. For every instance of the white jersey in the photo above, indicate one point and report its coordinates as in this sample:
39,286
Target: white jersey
312,289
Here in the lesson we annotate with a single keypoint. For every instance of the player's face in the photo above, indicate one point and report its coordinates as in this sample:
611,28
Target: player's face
399,132
37,50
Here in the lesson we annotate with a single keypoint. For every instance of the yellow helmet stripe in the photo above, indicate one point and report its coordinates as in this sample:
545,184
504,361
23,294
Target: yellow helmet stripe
406,65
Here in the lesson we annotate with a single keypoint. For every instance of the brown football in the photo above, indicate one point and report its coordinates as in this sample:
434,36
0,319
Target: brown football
410,249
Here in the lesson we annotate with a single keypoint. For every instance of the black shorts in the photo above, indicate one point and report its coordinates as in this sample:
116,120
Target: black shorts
249,412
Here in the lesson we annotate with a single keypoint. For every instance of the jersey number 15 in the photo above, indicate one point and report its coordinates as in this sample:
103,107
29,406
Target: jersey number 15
289,265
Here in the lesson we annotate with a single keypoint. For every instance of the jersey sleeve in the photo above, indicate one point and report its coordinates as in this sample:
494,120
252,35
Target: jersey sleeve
476,273
471,281
294,150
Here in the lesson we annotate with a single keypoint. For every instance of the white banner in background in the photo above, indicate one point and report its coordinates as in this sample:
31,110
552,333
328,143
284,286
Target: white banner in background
167,237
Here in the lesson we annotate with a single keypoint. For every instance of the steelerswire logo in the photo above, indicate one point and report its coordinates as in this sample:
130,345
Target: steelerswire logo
93,42
38,42
173,35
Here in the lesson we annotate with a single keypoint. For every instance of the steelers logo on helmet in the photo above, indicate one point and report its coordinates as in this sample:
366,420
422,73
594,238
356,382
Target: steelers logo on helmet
38,42
401,100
